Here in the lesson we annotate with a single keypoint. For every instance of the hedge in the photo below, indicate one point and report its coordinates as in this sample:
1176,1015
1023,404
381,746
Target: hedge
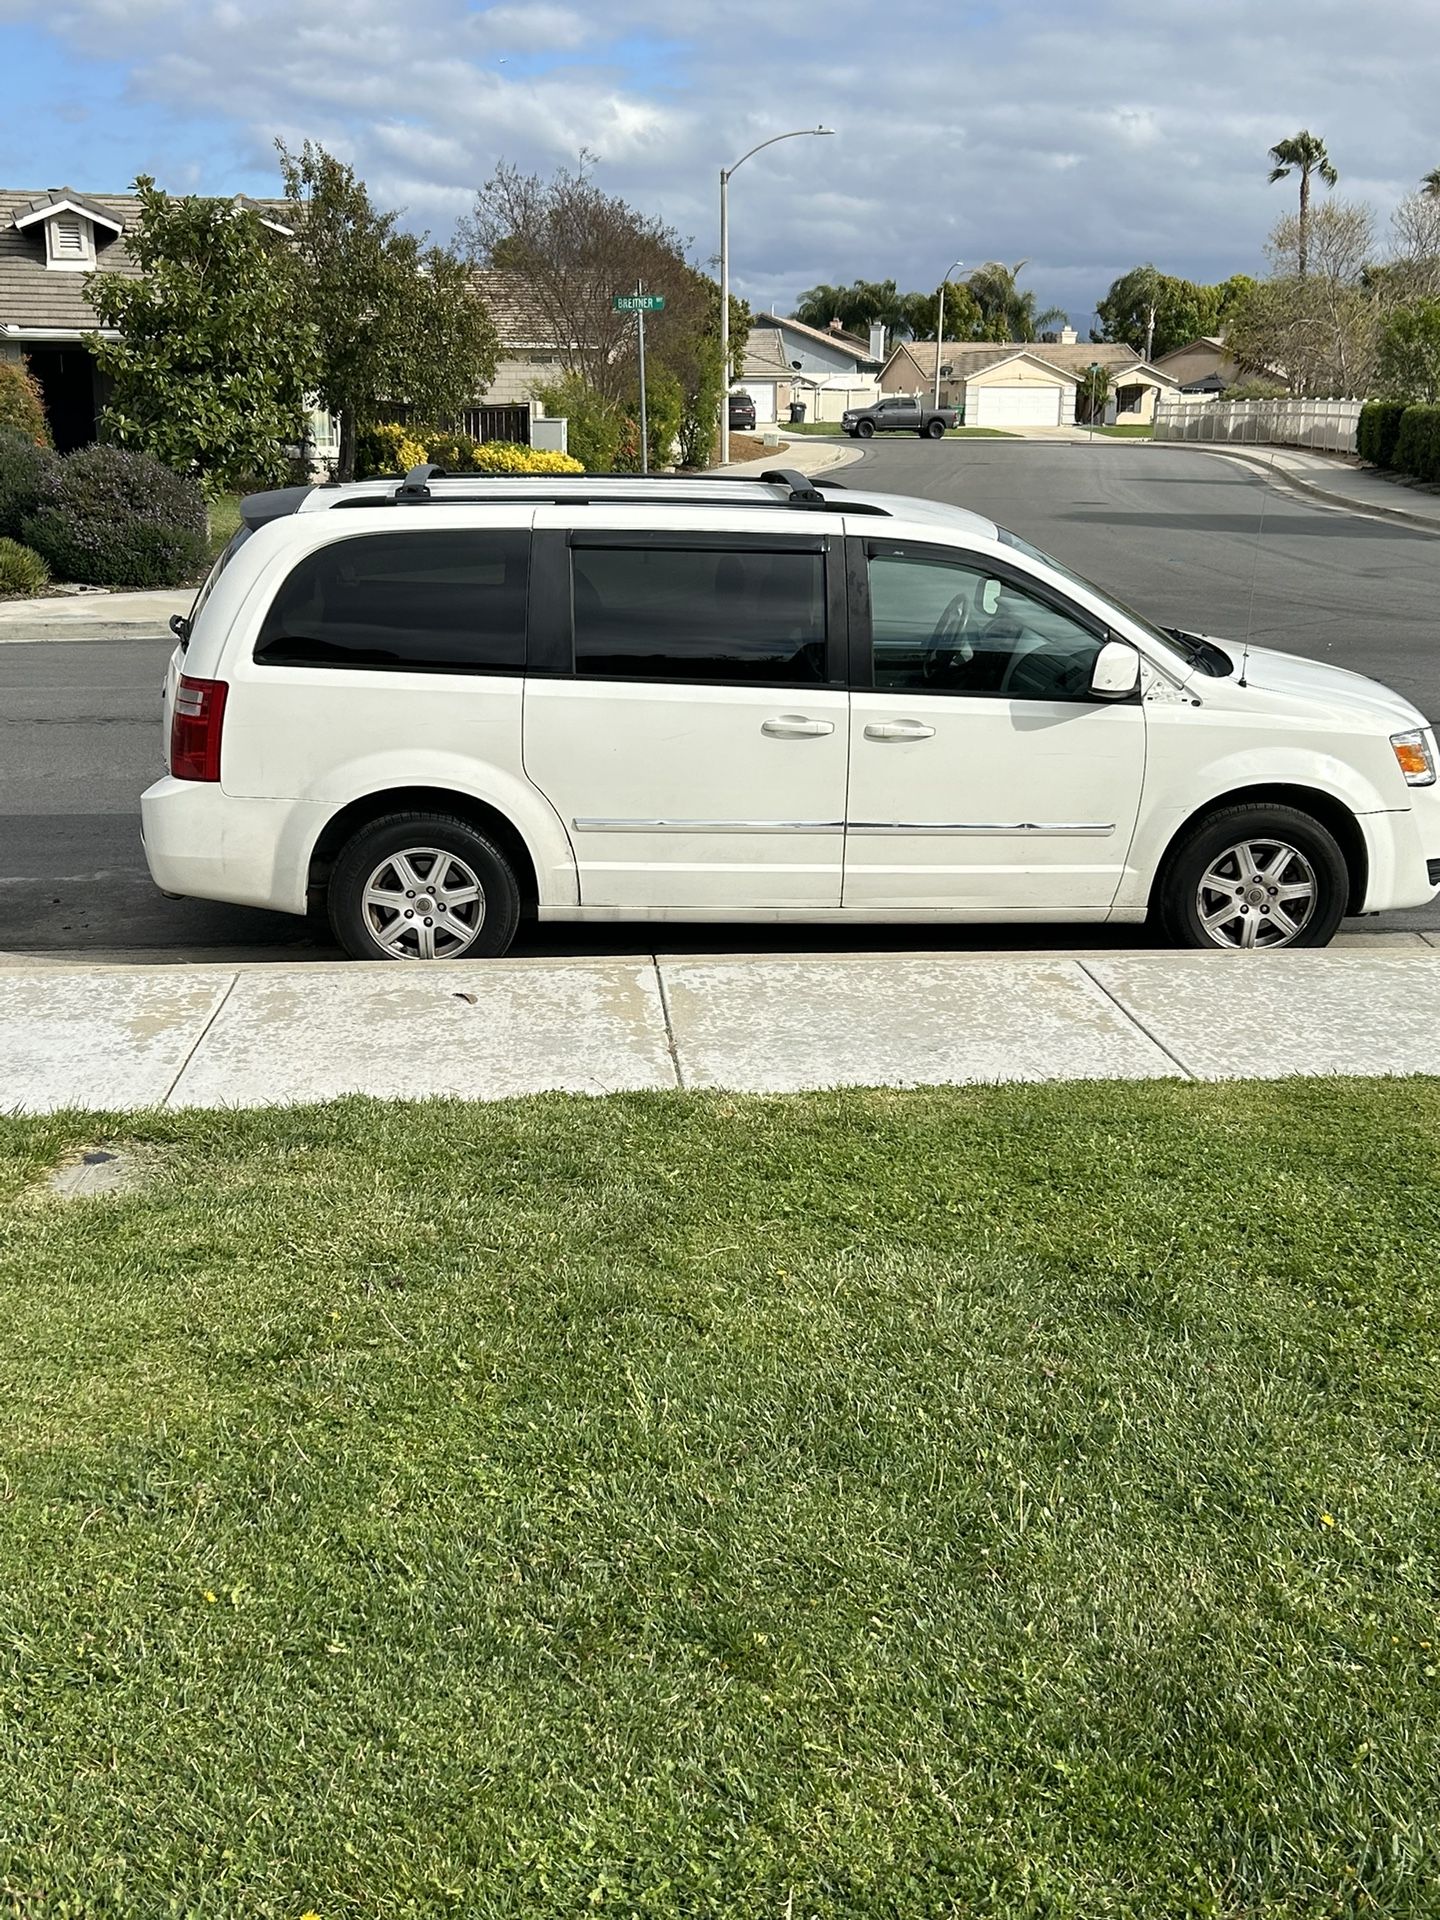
112,518
389,448
21,571
1417,445
1379,429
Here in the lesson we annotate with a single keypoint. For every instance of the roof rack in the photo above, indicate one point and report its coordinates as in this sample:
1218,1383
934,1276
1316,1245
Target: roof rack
415,490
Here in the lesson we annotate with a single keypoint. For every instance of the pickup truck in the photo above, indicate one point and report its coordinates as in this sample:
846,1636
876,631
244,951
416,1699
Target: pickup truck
899,416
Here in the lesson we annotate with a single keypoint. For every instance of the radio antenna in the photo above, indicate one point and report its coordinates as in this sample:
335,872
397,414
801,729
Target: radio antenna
1254,575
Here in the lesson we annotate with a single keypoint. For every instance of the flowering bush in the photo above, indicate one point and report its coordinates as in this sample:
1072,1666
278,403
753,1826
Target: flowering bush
23,467
117,519
504,456
388,448
393,449
21,406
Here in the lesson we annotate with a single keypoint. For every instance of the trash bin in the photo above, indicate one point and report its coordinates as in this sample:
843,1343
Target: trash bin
797,412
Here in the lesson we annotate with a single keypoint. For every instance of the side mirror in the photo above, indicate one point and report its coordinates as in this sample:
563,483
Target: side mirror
180,627
1116,673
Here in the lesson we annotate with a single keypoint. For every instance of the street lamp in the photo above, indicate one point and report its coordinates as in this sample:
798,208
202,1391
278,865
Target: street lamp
940,329
725,173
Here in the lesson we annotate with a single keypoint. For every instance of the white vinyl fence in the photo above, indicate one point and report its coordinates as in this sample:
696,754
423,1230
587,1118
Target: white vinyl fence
1329,426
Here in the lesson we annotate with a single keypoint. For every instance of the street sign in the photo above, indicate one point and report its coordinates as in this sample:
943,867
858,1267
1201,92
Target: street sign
638,302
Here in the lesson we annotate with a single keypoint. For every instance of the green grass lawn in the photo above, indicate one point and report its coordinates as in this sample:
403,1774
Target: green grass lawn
1006,1503
224,512
1132,432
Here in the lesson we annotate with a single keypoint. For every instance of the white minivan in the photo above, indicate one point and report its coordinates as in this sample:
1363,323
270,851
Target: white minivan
435,706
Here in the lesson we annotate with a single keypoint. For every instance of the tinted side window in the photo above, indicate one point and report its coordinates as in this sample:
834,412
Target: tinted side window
666,613
421,602
940,626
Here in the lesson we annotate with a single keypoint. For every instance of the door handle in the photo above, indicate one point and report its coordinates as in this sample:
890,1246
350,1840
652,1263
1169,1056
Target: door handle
794,726
899,730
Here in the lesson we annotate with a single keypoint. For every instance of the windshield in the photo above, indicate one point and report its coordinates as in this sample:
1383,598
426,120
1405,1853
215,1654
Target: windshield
1162,636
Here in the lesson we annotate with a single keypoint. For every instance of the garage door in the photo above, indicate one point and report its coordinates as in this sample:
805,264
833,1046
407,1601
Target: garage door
1012,407
762,392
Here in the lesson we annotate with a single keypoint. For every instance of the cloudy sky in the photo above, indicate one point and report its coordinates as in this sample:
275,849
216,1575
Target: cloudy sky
1084,136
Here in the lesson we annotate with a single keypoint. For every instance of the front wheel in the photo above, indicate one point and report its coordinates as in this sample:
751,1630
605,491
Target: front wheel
935,430
1255,877
865,429
423,886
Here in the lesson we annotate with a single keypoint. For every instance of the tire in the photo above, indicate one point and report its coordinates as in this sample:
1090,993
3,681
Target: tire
1239,874
935,430
865,430
375,868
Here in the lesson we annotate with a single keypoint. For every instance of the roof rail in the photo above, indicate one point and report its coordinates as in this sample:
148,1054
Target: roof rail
802,490
416,484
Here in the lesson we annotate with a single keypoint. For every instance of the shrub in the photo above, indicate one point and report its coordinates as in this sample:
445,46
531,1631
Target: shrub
22,571
1417,446
117,519
23,467
1378,431
455,452
664,414
22,407
597,426
503,456
387,447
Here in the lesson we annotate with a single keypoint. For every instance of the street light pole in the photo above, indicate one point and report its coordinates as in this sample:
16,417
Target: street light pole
798,133
940,329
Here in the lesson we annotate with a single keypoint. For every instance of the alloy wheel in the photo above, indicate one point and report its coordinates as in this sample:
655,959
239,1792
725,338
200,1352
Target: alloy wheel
424,904
1257,893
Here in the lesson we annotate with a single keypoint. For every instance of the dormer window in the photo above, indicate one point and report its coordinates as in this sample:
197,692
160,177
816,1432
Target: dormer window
69,241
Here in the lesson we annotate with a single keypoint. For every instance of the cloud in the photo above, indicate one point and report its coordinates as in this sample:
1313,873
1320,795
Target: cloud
1084,138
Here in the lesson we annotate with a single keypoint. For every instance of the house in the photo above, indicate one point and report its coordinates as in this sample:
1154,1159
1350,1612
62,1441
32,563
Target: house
1026,383
829,370
50,241
1201,366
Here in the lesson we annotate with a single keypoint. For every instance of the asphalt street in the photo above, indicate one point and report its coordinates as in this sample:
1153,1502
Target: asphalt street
1186,538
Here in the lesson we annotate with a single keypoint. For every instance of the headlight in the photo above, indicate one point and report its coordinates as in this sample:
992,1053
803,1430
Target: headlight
1415,757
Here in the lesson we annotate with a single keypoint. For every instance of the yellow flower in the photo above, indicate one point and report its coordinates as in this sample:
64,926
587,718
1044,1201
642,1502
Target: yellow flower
1327,1519
209,1599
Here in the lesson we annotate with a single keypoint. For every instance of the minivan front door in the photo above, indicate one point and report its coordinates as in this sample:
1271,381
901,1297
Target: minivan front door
984,775
686,715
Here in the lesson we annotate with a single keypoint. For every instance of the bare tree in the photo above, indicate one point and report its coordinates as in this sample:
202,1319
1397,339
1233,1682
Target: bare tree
576,247
1415,240
1318,332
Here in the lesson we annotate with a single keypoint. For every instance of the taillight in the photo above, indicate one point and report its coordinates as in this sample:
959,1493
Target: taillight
195,723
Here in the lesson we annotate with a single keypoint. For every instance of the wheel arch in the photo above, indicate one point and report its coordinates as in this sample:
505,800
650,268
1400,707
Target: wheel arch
342,826
1331,813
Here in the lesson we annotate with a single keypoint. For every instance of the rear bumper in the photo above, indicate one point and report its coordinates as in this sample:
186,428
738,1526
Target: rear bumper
206,844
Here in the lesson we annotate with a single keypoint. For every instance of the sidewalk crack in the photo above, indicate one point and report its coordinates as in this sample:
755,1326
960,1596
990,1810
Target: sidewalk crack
669,1024
200,1037
1135,1021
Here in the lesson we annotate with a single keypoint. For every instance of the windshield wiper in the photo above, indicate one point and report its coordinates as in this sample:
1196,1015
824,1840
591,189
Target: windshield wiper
1209,658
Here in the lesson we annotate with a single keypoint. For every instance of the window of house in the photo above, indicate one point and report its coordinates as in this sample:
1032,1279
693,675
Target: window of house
422,602
751,616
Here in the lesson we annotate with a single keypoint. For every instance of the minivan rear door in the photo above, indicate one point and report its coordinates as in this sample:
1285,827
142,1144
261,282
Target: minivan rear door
685,709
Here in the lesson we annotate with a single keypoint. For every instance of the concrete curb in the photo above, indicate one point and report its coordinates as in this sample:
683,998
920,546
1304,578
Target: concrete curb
1284,478
825,458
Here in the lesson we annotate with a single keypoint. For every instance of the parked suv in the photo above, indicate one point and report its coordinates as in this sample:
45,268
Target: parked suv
899,416
742,412
435,707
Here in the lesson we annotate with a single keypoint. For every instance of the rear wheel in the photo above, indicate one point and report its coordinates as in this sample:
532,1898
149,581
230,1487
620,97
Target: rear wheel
423,886
935,430
1255,877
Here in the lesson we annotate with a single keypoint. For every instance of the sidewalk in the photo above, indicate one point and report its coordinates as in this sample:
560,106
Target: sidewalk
92,616
256,1036
1331,478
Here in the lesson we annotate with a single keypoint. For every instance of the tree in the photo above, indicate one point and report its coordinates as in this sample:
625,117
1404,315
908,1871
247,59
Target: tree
1408,366
394,320
1430,184
858,307
1414,268
963,317
1094,391
1303,153
213,363
1156,312
1005,312
1320,332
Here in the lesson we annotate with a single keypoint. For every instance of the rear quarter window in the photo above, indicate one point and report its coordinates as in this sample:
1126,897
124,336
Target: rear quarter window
429,601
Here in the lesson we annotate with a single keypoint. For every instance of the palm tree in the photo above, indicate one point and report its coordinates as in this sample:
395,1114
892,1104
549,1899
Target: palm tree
1430,185
1007,313
1303,153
